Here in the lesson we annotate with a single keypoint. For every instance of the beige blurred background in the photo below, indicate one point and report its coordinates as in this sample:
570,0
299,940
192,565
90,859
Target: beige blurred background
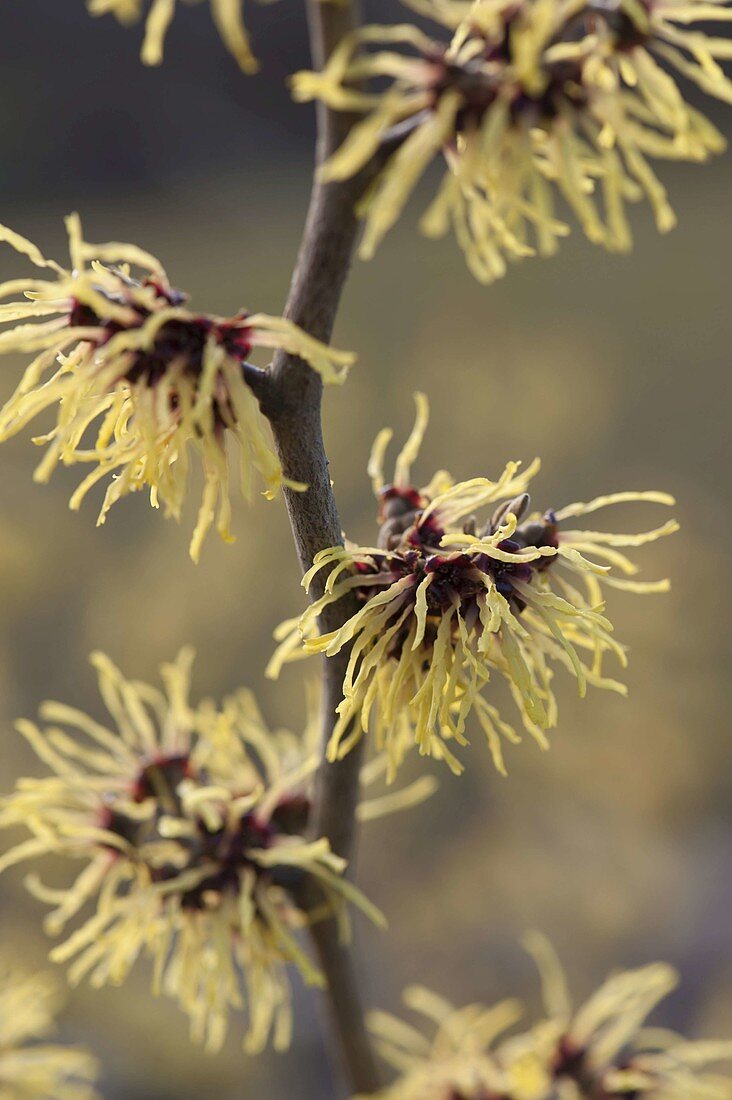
615,370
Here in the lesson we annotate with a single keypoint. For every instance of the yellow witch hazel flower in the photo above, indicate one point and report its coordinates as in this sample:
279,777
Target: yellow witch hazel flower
226,14
601,1051
457,1062
447,601
30,1067
528,98
189,825
153,380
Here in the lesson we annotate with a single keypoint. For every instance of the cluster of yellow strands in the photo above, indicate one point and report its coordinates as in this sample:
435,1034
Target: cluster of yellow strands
415,674
143,433
470,1053
206,772
522,106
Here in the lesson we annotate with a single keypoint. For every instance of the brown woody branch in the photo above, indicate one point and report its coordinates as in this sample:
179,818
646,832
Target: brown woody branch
290,395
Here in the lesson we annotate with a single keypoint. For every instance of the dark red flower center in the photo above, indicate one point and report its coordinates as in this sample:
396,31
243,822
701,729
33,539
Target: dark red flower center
180,341
161,777
225,849
563,83
573,1062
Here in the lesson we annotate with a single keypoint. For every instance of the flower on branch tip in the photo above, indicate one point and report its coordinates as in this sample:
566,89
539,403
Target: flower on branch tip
528,98
600,1051
447,600
30,1067
190,824
226,14
141,382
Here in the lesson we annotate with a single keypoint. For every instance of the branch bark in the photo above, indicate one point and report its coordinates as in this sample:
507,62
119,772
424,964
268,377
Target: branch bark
292,403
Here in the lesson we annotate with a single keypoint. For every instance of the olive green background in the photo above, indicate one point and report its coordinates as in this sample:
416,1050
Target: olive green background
614,370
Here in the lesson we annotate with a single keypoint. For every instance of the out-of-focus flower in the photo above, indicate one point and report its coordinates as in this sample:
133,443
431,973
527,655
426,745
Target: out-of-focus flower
601,1051
447,601
152,379
226,14
189,824
527,97
31,1069
457,1062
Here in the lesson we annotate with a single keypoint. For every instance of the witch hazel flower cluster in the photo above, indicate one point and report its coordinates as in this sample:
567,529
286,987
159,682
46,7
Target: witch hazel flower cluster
191,826
142,385
32,1067
602,1050
450,600
526,102
202,842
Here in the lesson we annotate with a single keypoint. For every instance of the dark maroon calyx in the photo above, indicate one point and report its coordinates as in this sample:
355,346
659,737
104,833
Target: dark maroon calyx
396,501
573,1062
399,510
388,568
168,293
122,826
516,507
366,569
504,574
511,570
161,777
626,32
291,815
563,88
482,78
227,849
427,533
83,316
477,88
180,341
537,534
542,532
235,337
455,579
570,1059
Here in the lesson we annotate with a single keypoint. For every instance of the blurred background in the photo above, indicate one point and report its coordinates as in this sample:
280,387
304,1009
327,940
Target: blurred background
615,370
